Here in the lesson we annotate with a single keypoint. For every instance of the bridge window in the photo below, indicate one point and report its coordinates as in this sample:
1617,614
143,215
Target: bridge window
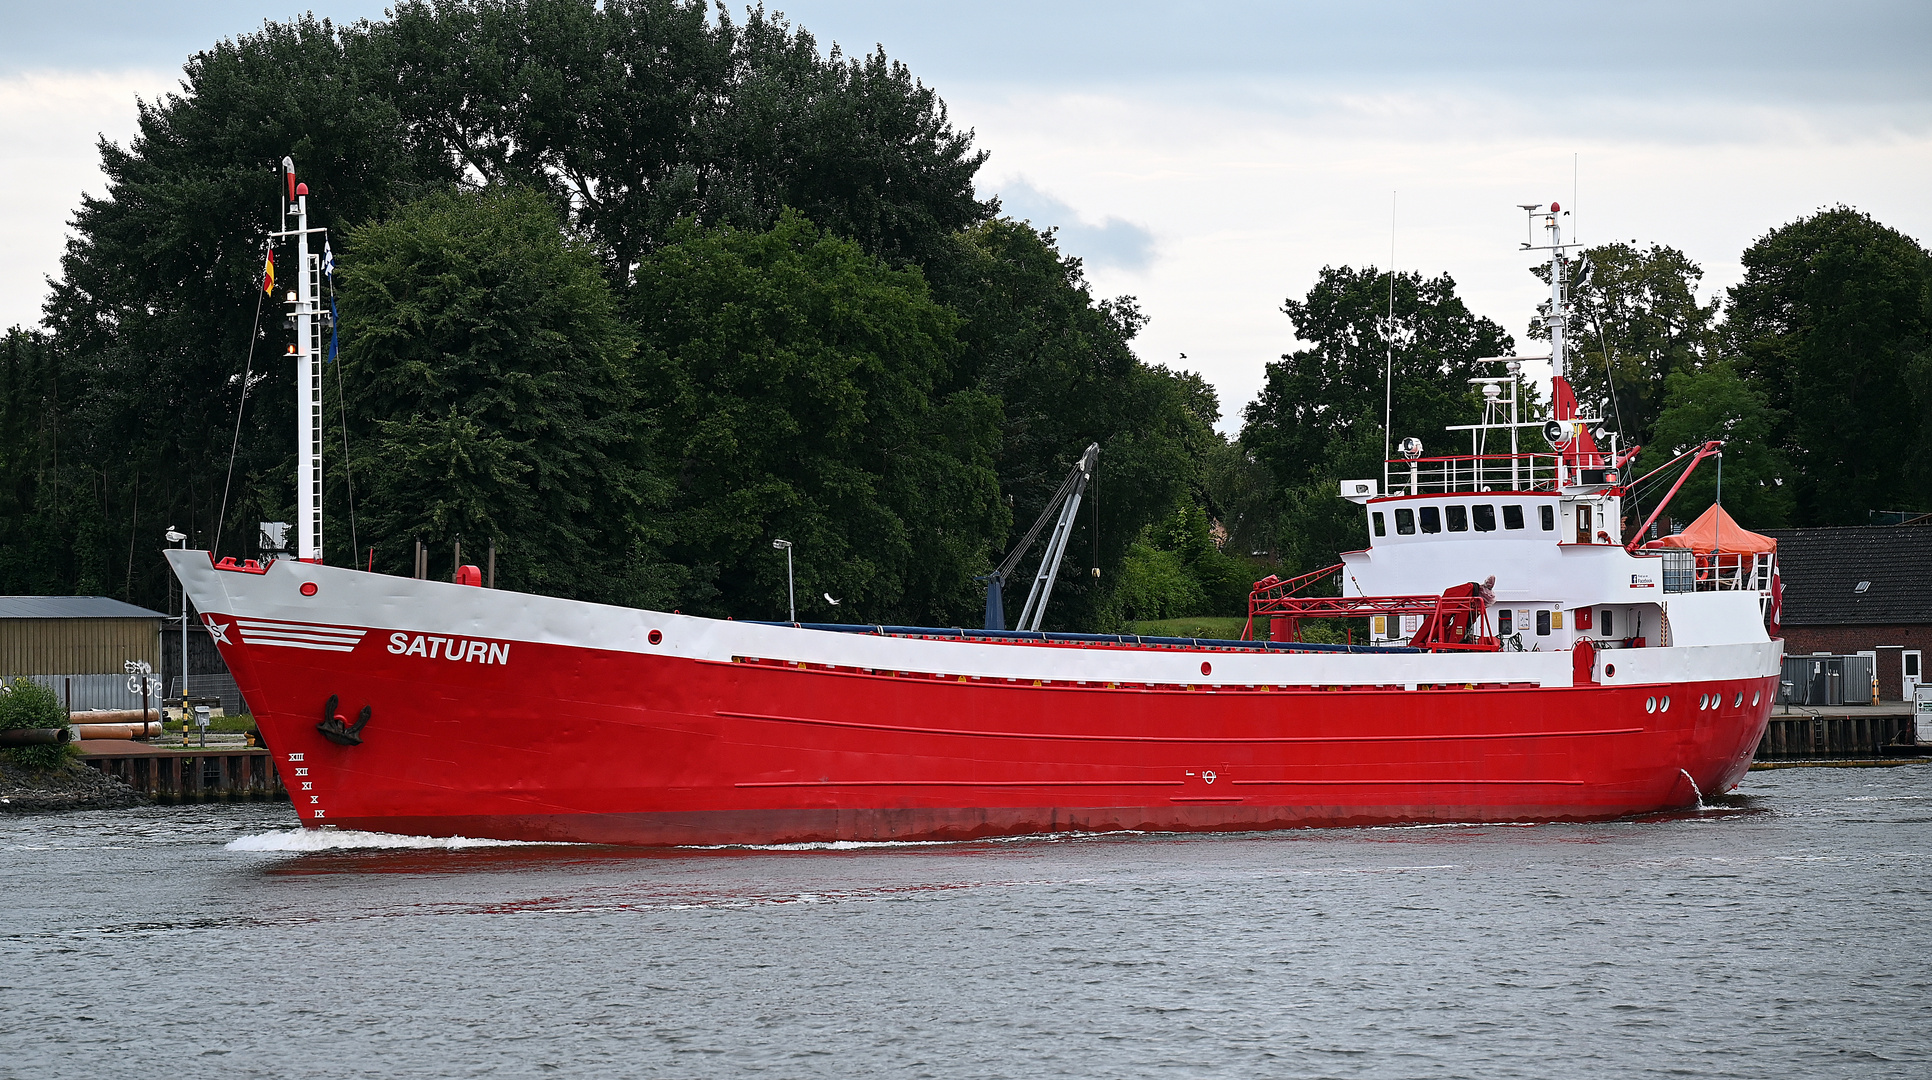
1546,516
1381,527
1458,518
1512,516
1431,519
1405,521
1485,517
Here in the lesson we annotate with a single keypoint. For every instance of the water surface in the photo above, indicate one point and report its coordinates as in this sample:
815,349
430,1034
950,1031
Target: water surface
1784,934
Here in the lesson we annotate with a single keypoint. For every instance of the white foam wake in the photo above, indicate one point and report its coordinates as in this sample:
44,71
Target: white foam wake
356,840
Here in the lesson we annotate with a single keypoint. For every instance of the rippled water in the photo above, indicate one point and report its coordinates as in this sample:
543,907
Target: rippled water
1785,934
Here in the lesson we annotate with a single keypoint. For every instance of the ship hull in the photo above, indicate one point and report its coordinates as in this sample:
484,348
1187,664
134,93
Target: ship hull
496,714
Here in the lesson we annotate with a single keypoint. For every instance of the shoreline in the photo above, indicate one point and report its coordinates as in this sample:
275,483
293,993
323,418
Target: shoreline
72,786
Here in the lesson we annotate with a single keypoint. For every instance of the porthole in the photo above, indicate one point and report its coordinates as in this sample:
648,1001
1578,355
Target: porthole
308,588
1664,705
1650,704
1703,702
1207,668
1738,700
1609,671
655,636
1756,696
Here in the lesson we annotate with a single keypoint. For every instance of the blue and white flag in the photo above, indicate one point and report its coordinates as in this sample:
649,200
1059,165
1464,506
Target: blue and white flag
328,260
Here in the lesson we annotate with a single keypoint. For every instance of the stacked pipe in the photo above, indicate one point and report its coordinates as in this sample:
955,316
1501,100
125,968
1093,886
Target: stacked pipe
115,724
49,736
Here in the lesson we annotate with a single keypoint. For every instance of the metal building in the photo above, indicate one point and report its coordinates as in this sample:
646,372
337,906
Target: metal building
84,648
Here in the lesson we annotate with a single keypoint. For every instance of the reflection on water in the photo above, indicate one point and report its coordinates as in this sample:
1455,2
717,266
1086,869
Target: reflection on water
1776,931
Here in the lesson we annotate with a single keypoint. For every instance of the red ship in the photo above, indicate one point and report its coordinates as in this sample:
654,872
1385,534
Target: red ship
1585,677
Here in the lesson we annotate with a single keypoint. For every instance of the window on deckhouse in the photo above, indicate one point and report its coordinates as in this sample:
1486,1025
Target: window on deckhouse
1458,518
1431,519
1405,521
1485,516
1512,516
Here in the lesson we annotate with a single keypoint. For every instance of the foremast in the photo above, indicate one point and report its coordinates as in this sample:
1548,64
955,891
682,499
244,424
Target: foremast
305,352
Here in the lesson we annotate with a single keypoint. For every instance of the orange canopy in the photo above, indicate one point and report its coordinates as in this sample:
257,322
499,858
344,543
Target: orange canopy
1714,532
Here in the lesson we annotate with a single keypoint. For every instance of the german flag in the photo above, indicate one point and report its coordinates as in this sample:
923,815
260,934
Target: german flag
268,273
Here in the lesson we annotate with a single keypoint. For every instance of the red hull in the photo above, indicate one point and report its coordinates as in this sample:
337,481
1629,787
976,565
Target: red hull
590,745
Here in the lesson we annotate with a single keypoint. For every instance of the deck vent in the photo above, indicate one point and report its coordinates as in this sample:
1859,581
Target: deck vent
1862,586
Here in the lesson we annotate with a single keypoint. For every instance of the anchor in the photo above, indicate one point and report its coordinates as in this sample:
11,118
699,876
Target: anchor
338,731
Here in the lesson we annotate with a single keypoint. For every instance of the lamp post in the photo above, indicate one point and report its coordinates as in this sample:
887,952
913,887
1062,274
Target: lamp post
180,539
790,596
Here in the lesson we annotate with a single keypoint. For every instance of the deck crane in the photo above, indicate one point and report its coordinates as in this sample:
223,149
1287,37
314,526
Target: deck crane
1067,501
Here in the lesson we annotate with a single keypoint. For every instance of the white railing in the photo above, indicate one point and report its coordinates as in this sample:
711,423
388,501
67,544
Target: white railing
1687,571
1488,472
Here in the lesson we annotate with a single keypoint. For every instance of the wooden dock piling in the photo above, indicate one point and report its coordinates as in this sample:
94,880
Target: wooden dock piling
194,774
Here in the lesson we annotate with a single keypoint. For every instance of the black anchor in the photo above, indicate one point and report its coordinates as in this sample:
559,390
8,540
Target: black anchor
334,730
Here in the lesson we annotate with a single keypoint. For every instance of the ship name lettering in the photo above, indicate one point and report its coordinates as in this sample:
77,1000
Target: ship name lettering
456,650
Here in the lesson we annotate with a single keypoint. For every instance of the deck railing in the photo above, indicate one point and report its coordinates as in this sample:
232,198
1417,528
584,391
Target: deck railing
1687,571
1491,472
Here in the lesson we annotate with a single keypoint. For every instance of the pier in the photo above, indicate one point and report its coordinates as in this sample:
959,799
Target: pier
1864,732
187,774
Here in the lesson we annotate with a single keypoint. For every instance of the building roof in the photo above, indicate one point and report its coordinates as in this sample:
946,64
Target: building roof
71,607
1822,569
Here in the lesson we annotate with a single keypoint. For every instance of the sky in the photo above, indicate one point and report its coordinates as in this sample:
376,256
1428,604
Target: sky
1210,159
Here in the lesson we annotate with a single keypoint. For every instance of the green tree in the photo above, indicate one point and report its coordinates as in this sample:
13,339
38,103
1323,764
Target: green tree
631,114
27,704
491,396
1833,325
151,321
1638,321
1062,365
1716,402
643,112
1319,416
797,386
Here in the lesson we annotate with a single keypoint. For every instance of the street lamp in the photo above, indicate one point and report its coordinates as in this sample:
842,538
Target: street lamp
790,596
180,539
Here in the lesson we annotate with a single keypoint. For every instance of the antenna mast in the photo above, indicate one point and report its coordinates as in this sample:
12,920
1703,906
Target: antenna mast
1388,359
306,352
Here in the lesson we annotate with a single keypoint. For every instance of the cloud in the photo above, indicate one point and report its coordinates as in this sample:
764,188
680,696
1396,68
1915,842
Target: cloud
49,122
1114,243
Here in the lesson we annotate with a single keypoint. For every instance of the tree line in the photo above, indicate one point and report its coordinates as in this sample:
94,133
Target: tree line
630,289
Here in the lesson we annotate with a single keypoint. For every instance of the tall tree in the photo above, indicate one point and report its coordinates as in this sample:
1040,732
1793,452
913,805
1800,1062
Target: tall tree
1319,416
153,316
797,387
1833,324
1639,321
642,112
1062,365
631,113
1716,402
492,396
